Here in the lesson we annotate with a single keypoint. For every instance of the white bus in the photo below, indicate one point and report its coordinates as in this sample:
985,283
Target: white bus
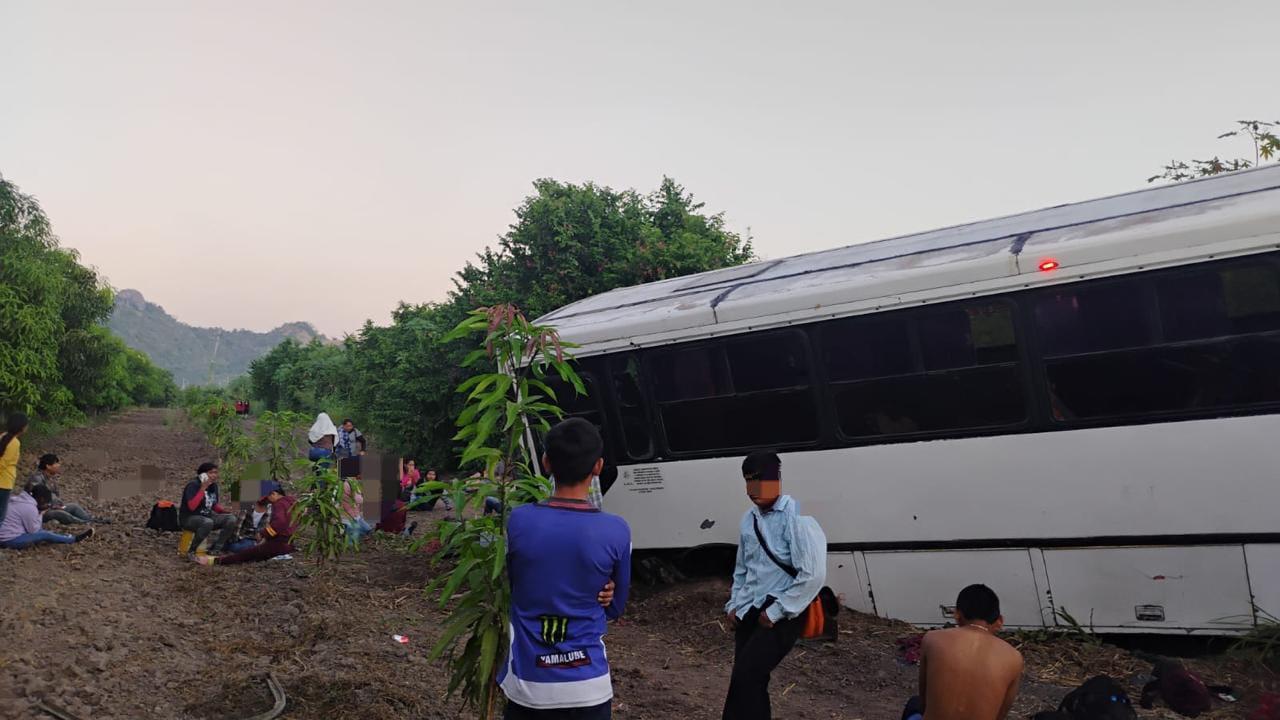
1077,406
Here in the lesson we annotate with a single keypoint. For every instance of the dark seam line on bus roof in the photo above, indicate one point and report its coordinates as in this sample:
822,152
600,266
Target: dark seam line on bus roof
764,266
801,273
715,302
1060,543
1019,243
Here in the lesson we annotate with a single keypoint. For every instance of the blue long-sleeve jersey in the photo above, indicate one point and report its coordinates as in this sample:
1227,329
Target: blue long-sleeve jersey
560,555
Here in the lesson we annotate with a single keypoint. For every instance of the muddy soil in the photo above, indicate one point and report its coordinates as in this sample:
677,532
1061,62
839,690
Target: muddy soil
123,627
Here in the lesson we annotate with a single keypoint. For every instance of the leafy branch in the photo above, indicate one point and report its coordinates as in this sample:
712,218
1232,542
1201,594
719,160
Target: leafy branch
1266,146
504,405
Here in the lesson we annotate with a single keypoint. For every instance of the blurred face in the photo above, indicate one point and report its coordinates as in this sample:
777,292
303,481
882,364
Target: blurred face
213,475
274,496
412,465
53,469
764,493
348,426
431,474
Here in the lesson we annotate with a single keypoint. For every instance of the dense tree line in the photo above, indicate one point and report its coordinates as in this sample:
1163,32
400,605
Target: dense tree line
568,242
57,359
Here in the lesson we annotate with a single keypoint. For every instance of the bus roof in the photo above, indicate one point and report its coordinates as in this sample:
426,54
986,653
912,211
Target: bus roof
1235,213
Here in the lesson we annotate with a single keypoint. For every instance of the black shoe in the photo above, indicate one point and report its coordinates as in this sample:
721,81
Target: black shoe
412,527
84,535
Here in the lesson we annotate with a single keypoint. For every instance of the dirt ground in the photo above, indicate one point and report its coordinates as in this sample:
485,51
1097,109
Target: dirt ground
123,627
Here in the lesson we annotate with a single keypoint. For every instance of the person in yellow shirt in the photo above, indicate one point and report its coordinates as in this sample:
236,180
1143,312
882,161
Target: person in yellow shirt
10,448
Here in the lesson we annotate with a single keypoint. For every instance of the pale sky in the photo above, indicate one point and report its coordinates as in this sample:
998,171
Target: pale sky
246,164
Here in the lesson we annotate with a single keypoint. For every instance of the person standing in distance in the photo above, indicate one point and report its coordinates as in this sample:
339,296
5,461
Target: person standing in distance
350,442
561,551
10,450
766,604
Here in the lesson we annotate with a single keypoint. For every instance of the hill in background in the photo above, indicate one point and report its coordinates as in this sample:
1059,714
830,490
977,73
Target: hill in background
195,355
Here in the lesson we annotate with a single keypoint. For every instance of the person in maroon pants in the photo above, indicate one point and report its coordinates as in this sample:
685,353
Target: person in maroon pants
274,539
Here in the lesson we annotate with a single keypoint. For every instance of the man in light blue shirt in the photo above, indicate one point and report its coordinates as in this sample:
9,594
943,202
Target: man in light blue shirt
782,564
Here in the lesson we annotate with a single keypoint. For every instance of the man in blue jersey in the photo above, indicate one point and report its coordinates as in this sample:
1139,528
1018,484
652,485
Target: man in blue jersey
767,604
561,551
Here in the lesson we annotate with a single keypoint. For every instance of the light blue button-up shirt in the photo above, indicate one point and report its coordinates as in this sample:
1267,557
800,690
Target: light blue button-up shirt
795,540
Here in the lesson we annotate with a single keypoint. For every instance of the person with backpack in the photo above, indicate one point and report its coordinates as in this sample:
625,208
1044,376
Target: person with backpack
967,672
768,603
560,552
201,513
48,467
21,527
276,536
10,450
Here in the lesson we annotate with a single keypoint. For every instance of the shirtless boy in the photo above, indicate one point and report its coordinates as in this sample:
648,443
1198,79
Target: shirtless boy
966,672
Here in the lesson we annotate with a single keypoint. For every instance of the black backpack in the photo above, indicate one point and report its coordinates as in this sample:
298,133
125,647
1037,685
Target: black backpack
164,517
1099,698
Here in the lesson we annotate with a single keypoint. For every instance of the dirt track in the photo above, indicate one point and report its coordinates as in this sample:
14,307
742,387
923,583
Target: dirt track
122,627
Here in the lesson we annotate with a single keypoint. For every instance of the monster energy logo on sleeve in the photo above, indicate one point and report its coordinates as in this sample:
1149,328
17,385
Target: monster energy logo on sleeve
554,629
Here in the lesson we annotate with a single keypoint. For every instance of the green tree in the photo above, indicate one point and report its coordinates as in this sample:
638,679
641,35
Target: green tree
568,242
1262,135
56,358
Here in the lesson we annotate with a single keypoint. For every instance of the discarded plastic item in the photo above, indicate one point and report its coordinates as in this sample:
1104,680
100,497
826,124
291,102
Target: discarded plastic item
1227,697
283,557
402,639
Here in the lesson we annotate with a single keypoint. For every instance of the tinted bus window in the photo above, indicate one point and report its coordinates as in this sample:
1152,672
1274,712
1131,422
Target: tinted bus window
1209,345
736,393
867,347
953,367
636,436
1088,318
692,373
1233,300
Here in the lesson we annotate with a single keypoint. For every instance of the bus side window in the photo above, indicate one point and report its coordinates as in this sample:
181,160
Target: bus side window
636,436
740,392
948,368
1212,342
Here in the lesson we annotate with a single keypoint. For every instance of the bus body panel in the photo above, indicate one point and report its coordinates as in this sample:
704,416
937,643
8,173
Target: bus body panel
1152,589
921,586
1138,481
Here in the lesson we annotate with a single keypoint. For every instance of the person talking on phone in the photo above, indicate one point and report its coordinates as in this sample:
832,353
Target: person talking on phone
201,513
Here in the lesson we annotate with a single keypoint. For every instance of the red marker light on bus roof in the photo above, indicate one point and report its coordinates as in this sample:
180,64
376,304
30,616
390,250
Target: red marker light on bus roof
1047,265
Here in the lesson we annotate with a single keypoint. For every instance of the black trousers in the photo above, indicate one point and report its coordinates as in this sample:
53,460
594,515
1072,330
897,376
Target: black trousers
757,650
514,711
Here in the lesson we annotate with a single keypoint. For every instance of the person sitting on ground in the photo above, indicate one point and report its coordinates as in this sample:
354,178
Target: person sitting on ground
350,441
394,521
323,435
201,513
559,552
10,450
966,672
252,526
276,536
410,477
353,514
47,470
21,527
427,499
